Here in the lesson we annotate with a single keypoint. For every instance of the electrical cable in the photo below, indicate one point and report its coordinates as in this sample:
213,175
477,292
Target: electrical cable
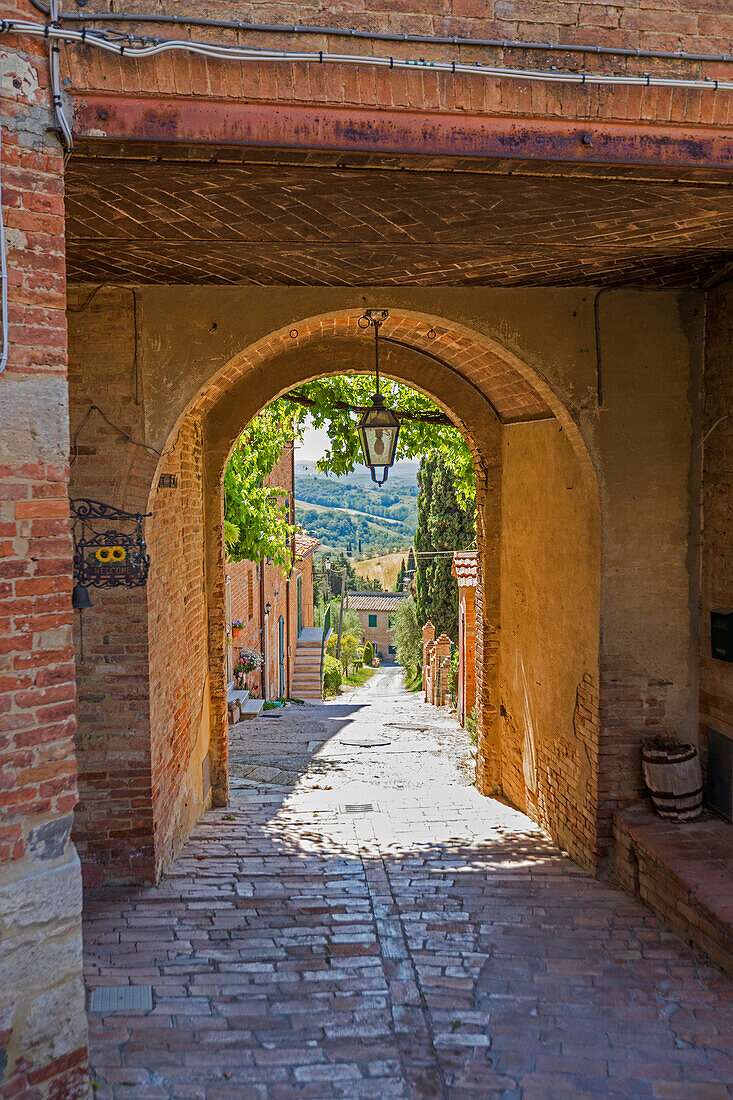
380,36
224,52
125,435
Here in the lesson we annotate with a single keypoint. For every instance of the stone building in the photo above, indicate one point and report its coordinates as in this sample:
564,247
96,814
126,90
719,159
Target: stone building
554,255
465,570
376,611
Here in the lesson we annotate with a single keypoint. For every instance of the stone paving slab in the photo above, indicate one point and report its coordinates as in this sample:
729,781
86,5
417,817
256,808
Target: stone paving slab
439,947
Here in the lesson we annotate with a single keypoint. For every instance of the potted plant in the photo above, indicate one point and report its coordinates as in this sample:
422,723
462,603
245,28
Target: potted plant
237,628
673,777
248,660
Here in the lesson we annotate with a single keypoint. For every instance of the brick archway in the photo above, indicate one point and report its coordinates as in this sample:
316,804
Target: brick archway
487,390
514,389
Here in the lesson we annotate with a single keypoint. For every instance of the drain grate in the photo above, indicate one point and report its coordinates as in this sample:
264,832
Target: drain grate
122,998
359,808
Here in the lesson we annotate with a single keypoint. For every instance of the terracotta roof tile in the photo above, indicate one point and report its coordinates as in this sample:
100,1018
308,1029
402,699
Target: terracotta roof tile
305,544
374,601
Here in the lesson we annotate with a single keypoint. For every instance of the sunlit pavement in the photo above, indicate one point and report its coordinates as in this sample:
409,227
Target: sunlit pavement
361,923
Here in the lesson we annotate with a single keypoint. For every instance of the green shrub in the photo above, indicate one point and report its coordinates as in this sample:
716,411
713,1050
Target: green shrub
332,678
368,653
471,722
454,668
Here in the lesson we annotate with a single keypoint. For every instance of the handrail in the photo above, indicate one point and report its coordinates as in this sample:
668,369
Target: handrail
324,638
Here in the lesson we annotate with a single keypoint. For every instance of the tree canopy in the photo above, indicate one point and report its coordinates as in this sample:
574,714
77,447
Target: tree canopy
256,515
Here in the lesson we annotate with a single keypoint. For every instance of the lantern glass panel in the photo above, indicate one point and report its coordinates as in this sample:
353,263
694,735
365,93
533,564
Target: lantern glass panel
378,431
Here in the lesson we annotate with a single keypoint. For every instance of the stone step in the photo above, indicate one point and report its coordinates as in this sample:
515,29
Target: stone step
251,708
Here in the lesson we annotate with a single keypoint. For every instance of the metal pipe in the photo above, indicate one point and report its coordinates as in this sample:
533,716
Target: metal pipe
380,36
240,53
54,50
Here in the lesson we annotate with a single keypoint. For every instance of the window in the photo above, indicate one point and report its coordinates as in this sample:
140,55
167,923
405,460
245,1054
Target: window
372,620
250,595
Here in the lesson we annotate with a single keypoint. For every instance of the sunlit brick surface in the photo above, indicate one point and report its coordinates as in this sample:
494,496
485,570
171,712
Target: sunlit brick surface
439,947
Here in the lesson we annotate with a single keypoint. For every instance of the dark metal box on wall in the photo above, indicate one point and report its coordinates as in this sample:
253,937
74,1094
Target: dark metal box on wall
109,546
721,635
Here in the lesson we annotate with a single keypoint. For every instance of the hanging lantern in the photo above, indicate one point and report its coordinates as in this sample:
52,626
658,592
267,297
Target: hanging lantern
378,427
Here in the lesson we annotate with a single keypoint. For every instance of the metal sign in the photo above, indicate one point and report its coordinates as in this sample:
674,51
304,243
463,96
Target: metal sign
113,557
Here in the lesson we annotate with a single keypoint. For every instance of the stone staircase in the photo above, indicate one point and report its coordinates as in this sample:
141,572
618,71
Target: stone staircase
307,682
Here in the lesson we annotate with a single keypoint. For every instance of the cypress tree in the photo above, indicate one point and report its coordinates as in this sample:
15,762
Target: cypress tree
442,525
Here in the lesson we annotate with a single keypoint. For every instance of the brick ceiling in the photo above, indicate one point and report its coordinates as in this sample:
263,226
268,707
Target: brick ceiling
257,223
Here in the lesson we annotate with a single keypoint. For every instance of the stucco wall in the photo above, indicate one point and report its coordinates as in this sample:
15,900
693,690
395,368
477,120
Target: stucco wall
716,677
378,635
648,437
550,591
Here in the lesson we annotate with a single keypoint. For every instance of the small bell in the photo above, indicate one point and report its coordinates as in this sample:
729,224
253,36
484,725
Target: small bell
80,598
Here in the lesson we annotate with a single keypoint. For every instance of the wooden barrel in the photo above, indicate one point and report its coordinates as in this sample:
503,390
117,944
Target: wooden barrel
674,780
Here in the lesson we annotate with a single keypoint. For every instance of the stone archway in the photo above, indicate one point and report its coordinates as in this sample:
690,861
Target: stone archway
487,391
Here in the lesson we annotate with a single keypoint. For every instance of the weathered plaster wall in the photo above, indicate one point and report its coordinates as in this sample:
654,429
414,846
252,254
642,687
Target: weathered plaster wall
43,1032
550,596
716,677
648,437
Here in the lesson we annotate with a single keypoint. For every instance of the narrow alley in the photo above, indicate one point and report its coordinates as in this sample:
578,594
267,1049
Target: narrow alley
361,923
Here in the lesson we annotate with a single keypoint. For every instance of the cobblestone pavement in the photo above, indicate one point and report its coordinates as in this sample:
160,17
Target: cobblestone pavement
361,923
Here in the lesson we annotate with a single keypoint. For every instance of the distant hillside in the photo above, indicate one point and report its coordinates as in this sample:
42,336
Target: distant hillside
383,569
353,511
360,477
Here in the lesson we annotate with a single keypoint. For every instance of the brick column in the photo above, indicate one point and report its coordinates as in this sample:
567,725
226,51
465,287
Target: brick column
442,650
42,1021
428,635
428,669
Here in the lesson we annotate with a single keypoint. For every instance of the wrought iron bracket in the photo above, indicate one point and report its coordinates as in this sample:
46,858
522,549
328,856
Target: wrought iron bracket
109,546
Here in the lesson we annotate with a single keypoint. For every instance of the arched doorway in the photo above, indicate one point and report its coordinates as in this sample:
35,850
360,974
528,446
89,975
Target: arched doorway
537,658
208,359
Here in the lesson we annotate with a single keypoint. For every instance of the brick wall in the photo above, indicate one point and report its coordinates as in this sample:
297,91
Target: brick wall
114,820
42,1024
657,25
178,648
716,677
245,606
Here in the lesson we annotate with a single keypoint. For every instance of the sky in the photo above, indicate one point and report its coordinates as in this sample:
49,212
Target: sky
314,445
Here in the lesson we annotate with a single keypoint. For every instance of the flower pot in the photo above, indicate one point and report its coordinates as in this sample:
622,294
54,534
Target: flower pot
674,779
